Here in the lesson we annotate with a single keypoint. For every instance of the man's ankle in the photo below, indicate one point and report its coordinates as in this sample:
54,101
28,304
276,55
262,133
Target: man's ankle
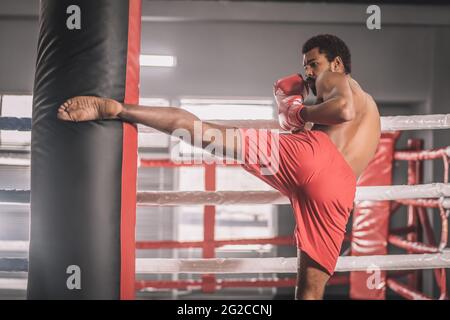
123,112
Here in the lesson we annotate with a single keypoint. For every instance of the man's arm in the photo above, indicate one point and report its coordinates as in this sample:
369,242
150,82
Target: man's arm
337,106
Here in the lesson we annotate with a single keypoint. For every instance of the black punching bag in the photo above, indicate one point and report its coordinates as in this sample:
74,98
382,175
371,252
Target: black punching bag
83,175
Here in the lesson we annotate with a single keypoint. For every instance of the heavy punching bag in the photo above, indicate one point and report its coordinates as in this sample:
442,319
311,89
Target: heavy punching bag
83,175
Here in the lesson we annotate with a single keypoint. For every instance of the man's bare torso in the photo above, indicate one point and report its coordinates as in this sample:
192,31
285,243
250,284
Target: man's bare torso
357,139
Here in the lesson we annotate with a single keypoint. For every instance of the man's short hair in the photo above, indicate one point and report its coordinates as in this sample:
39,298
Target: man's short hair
332,47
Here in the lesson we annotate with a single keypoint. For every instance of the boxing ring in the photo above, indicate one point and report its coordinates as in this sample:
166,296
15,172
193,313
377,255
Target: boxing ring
376,202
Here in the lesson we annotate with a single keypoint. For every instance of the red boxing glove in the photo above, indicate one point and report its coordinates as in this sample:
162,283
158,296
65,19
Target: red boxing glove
291,119
289,93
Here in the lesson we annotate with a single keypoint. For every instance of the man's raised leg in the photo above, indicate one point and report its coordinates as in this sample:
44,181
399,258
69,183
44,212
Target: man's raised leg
165,119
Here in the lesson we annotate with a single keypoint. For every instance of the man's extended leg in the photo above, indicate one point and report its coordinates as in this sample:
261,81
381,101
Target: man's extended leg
165,119
311,278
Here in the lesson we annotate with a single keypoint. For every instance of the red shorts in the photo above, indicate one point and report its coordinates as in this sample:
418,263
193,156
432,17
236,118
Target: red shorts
314,175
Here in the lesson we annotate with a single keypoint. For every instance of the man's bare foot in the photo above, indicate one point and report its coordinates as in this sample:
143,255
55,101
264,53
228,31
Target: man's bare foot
85,108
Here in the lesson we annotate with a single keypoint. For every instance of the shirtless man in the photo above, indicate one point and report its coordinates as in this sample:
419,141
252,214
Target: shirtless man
318,168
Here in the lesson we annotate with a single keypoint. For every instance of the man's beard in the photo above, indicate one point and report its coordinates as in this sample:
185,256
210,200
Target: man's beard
312,85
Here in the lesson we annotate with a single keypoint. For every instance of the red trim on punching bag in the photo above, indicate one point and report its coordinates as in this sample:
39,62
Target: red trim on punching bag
129,158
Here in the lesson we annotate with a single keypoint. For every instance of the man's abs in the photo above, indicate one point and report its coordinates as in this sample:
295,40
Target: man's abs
357,140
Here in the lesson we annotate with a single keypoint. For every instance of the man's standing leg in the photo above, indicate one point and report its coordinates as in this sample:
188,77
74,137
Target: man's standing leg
311,278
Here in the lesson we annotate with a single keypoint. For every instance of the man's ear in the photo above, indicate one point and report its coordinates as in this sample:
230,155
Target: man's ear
337,65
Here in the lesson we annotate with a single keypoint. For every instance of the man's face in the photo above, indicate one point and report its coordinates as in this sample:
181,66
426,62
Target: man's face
314,63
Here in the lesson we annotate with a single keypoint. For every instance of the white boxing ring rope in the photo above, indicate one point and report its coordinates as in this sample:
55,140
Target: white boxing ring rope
249,197
289,265
13,284
371,193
